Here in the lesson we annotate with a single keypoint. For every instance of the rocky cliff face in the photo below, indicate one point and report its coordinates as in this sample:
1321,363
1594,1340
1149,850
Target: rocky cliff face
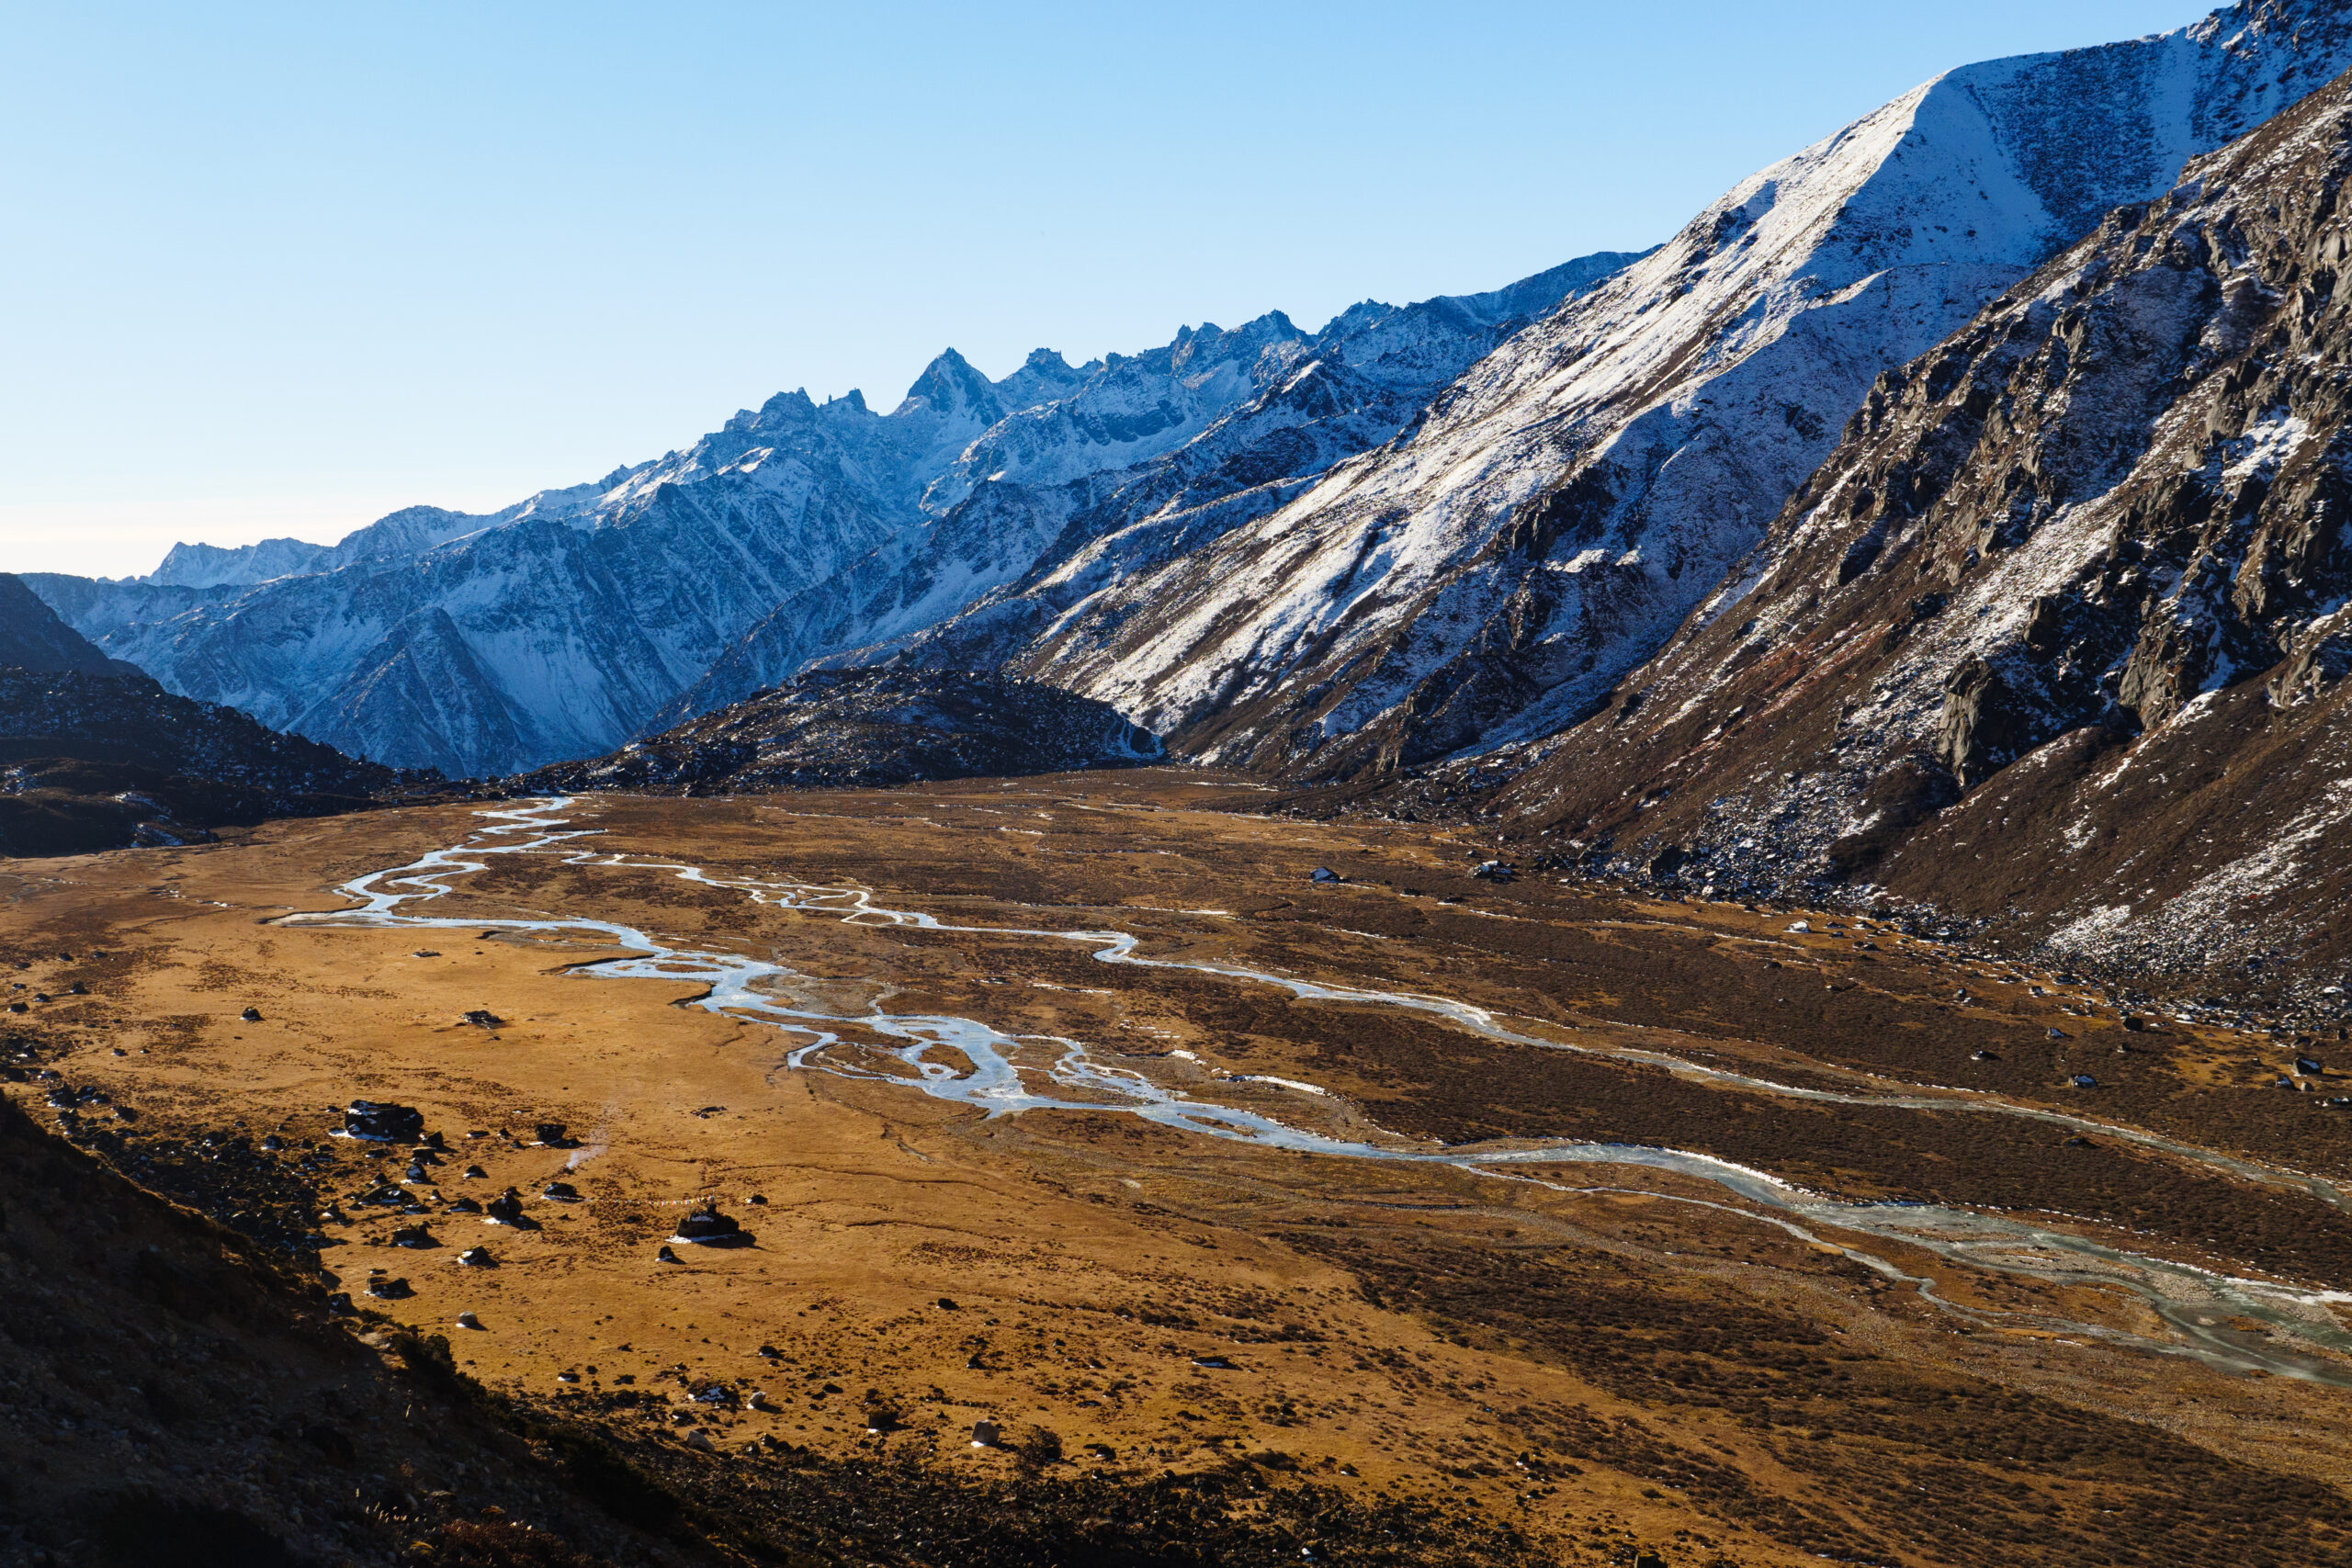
863,728
2060,630
1560,508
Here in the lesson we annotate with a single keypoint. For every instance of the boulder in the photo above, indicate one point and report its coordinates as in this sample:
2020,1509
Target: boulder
383,1123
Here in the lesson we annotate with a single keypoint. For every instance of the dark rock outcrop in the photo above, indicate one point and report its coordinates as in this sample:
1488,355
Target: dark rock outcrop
97,762
864,728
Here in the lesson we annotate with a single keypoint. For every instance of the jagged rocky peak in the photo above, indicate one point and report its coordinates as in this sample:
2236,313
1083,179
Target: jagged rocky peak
1489,576
2072,583
950,385
867,728
1042,376
1209,345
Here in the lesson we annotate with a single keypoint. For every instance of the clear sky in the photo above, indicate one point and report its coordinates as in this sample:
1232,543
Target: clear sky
280,269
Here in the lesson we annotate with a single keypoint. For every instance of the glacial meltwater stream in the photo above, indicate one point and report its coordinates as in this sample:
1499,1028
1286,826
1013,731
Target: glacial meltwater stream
971,1063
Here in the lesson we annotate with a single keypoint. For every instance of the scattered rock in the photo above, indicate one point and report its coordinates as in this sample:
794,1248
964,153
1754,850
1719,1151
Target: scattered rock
986,1435
476,1258
251,1015
467,1320
663,1255
561,1192
708,1227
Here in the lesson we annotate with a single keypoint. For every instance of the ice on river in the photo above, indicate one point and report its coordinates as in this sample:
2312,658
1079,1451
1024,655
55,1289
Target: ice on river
972,1062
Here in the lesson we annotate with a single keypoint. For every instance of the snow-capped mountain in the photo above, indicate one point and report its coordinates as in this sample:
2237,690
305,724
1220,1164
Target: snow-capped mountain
567,623
1558,509
1176,446
2062,628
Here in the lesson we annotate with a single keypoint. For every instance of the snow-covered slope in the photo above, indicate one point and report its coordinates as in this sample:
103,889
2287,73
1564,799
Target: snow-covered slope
2060,633
1563,505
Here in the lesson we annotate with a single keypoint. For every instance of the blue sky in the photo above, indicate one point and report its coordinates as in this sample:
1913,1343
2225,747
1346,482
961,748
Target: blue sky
282,269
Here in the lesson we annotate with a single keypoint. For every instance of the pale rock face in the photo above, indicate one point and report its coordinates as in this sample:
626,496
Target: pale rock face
1488,575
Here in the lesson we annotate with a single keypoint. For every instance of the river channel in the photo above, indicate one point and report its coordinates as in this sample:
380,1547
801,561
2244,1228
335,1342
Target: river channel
972,1062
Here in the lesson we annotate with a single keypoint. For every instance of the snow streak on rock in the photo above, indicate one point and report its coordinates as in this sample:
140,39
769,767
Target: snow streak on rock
2059,630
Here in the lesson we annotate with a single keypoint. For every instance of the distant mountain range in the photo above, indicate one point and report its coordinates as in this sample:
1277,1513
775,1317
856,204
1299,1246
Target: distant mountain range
1930,468
565,625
